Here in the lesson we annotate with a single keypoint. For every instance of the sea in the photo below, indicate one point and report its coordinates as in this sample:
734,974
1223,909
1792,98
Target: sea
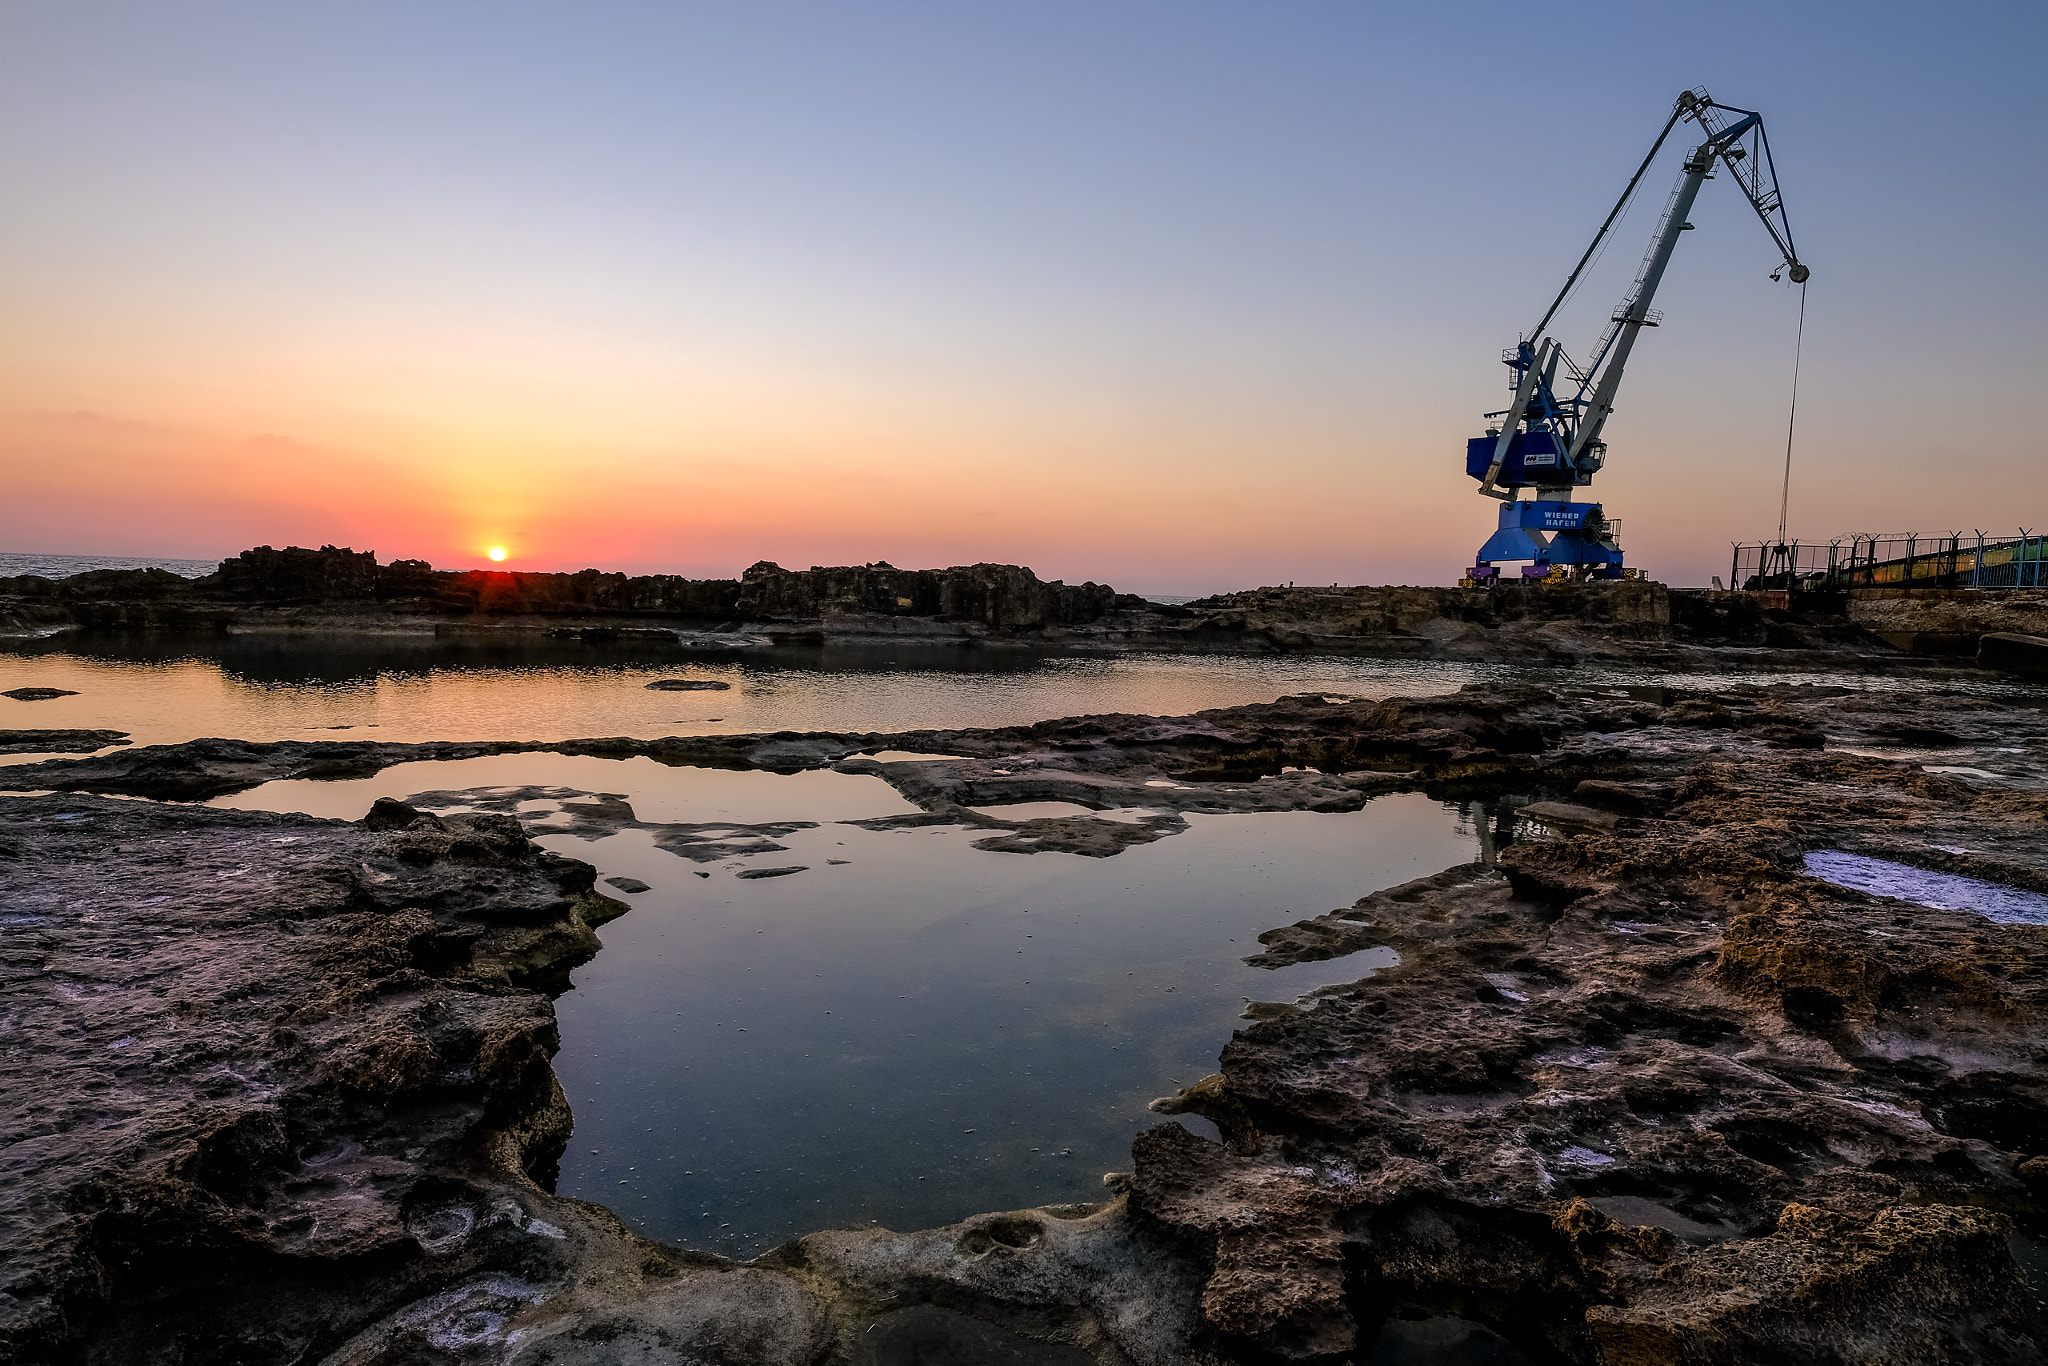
14,563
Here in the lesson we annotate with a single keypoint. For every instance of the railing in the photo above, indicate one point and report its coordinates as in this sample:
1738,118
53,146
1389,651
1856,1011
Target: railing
1901,560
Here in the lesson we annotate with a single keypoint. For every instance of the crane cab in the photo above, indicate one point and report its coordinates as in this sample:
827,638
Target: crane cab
1533,458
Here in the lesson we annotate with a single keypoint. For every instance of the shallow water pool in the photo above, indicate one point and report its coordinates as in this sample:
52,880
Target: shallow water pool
910,1030
1944,891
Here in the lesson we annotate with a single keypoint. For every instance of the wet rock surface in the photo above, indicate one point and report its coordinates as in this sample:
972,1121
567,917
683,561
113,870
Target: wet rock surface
1642,1091
59,741
598,815
278,1091
243,1050
1700,1103
2014,653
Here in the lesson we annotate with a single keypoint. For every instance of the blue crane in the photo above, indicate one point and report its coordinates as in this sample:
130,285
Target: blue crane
1548,439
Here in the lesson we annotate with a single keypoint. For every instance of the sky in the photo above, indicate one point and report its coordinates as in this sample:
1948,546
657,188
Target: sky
1182,297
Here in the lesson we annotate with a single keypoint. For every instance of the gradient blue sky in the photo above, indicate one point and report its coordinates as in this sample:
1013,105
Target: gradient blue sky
1181,297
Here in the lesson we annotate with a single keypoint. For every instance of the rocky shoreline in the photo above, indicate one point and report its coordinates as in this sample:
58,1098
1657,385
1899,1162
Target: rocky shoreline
1646,1091
341,593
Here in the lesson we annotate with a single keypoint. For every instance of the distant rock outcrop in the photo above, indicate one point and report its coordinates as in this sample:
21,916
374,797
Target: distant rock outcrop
339,591
588,592
339,575
295,574
998,596
336,587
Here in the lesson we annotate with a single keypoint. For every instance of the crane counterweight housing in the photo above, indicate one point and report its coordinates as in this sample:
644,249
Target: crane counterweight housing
1548,440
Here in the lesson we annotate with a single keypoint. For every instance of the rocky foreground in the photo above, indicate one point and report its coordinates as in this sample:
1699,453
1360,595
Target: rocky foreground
343,593
278,1089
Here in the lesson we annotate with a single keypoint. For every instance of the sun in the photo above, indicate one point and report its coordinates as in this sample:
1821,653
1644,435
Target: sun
497,552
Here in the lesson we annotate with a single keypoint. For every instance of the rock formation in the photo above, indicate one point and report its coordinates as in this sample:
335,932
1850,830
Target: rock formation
1642,1092
248,1051
339,590
997,597
334,591
2013,653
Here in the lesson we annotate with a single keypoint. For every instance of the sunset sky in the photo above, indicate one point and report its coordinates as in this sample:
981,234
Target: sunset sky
1177,296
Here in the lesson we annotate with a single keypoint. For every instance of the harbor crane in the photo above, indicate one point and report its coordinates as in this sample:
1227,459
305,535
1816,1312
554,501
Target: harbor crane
1548,439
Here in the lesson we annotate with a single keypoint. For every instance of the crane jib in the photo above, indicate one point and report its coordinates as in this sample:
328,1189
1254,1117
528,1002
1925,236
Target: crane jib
1735,131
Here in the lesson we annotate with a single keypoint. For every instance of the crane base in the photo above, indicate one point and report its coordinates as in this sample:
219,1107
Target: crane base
1489,575
1561,541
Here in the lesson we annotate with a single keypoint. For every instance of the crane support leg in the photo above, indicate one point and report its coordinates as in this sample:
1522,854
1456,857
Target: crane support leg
1549,535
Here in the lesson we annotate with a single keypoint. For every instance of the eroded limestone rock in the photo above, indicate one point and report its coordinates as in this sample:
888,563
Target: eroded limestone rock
1640,1090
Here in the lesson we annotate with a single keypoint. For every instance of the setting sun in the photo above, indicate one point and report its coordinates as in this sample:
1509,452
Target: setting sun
497,552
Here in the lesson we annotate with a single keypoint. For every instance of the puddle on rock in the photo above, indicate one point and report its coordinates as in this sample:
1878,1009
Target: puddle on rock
1444,1341
911,1030
660,795
1032,811
1039,811
1943,891
928,1030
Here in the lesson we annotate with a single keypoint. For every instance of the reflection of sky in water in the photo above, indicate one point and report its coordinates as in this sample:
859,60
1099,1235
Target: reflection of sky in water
1946,891
658,792
273,688
754,1059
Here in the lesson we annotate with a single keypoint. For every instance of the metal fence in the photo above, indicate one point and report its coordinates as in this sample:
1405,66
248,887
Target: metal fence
1903,560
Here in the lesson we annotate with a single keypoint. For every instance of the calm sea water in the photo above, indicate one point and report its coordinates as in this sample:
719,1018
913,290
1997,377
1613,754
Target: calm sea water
167,689
13,562
910,1030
